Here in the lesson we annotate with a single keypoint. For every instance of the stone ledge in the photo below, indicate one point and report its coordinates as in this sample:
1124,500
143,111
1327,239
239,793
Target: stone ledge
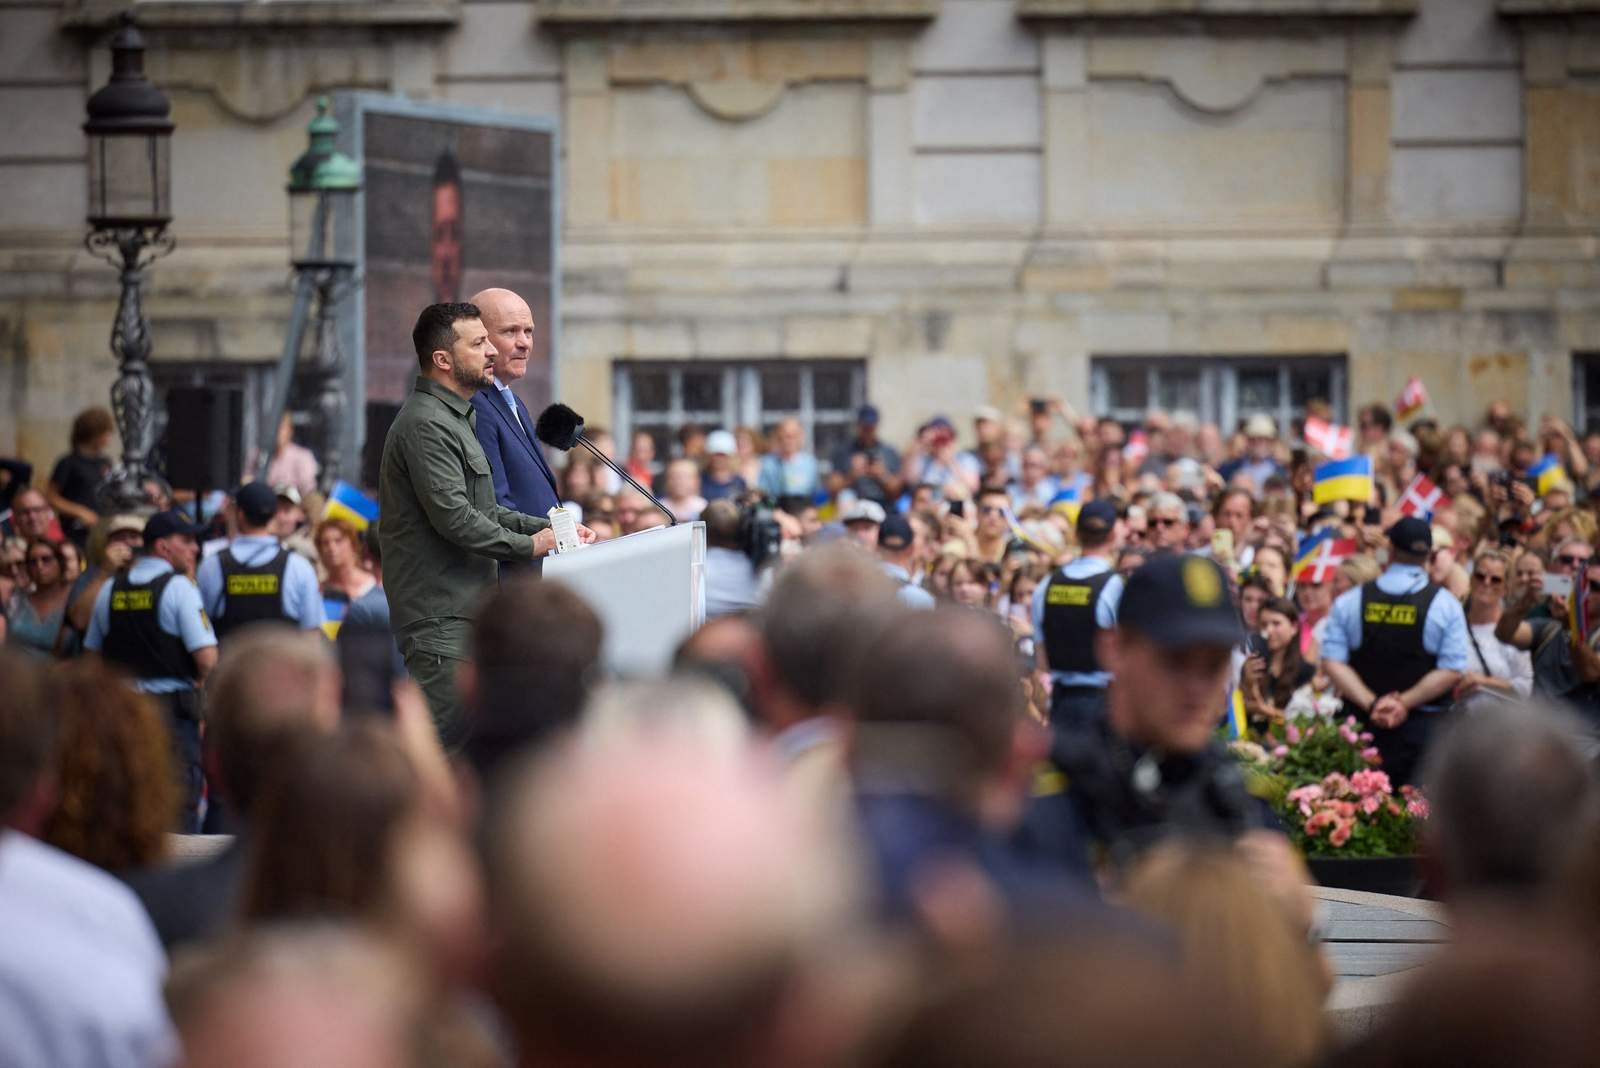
94,15
1515,8
1150,9
599,13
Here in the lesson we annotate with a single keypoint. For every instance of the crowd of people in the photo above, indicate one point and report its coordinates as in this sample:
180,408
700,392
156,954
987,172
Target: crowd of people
939,782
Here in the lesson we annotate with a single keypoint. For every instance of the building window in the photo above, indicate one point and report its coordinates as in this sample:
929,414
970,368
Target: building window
662,398
1222,390
1585,391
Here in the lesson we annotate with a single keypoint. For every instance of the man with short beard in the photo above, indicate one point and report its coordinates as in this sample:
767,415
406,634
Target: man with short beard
443,532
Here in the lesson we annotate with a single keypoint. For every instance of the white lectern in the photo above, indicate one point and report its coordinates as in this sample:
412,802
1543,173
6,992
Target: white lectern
648,589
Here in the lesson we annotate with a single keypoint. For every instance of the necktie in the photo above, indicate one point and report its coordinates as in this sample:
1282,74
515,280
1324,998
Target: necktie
511,402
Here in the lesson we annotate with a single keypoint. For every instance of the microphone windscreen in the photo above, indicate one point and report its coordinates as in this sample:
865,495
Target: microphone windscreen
558,427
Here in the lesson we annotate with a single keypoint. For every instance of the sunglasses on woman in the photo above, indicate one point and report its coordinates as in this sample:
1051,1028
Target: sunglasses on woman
1490,580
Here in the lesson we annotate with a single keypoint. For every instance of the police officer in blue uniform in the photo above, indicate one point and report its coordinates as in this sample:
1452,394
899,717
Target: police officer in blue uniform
1395,649
1151,767
1078,603
150,622
255,579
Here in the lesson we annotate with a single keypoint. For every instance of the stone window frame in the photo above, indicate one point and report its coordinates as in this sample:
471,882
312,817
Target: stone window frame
1217,385
1144,10
741,402
96,15
1585,402
604,13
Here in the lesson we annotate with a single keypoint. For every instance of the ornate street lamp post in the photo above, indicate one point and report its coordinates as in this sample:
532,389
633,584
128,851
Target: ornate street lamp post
130,205
323,184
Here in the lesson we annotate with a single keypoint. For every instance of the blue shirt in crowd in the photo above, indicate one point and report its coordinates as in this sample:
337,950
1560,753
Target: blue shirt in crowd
302,596
179,614
1105,615
797,476
1444,630
911,596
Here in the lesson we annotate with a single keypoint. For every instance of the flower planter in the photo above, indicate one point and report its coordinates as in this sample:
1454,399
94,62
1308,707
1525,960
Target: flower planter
1398,876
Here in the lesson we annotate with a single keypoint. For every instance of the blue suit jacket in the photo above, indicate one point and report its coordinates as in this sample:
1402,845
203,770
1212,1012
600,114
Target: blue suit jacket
522,479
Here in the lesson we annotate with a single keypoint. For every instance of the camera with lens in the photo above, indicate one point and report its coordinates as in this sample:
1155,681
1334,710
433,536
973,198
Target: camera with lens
760,537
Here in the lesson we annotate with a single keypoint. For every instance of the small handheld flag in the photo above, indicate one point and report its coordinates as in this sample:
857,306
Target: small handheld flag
1548,474
350,504
1238,728
1320,555
1343,480
1578,613
1331,440
1067,503
333,610
1422,498
1413,398
1137,448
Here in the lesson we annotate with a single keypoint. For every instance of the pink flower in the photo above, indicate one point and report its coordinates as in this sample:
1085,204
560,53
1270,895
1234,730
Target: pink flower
1417,807
1370,781
1341,833
1280,751
1345,809
1366,737
1372,756
1393,806
1335,784
1292,733
1350,721
1322,818
1348,735
1371,803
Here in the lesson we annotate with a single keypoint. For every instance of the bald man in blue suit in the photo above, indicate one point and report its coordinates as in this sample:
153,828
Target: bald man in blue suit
523,479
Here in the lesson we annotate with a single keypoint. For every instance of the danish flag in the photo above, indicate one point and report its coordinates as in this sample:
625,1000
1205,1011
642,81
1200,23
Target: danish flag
1137,448
1412,399
1422,498
1321,554
1330,439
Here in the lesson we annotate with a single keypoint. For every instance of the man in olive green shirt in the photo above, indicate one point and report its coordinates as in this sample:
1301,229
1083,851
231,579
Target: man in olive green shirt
442,530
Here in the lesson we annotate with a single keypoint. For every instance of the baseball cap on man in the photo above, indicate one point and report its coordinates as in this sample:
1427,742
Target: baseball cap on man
124,523
1178,601
864,511
1411,535
867,415
1097,517
1260,425
256,503
895,533
721,443
165,524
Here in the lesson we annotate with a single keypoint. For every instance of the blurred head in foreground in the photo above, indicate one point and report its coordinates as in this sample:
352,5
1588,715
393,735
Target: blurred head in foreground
1511,796
659,899
315,996
1240,947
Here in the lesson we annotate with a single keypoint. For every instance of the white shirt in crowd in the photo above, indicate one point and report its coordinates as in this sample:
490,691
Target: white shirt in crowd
81,967
1491,656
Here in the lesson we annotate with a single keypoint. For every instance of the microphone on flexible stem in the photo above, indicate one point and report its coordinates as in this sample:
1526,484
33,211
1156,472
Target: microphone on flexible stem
561,428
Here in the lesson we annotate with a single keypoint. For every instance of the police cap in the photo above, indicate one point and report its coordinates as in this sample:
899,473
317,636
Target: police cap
1178,601
256,502
1411,535
165,524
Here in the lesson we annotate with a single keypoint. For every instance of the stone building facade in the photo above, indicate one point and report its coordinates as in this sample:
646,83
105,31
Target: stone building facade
794,205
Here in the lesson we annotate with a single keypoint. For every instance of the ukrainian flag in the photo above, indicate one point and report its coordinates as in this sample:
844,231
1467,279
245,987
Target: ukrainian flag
1238,730
1548,474
1069,503
1343,480
333,610
350,504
